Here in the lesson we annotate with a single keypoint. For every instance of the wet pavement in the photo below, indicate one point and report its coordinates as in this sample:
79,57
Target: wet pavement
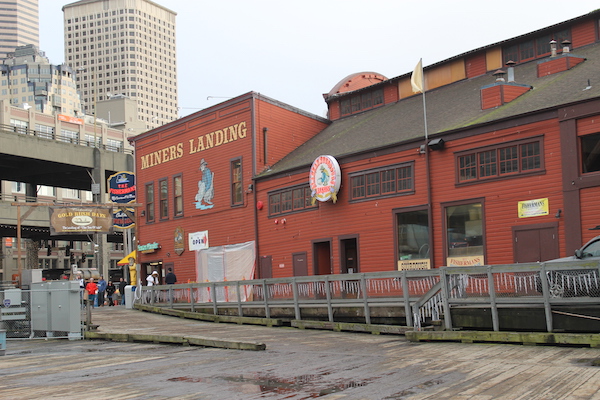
296,364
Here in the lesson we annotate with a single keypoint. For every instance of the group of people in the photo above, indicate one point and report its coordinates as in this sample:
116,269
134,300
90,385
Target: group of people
170,278
104,293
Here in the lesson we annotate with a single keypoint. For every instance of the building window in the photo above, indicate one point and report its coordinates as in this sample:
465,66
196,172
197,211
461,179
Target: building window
590,153
499,161
19,126
44,131
290,200
413,240
237,197
114,145
177,196
464,233
535,48
69,136
150,202
382,182
361,102
164,199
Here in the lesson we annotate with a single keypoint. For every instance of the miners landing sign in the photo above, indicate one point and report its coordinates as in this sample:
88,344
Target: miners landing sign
325,178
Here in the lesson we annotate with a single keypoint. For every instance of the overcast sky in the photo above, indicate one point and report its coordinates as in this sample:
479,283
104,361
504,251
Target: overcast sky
296,50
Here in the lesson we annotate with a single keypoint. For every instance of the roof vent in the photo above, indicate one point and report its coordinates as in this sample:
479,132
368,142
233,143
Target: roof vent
553,48
565,43
510,70
500,75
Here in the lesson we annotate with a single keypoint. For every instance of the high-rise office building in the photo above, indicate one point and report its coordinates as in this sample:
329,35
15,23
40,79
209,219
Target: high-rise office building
124,48
20,25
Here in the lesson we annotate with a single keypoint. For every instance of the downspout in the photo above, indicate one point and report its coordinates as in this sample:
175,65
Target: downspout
254,196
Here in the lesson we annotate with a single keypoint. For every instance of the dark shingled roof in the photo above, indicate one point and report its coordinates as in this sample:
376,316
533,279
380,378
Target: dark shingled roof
449,108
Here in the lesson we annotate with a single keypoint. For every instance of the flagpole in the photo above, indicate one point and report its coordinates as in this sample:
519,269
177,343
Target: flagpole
421,85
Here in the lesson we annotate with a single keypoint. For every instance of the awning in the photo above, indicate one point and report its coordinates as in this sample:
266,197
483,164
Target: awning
125,260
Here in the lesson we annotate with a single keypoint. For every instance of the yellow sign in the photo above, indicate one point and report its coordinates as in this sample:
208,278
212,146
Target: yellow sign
407,265
533,208
469,261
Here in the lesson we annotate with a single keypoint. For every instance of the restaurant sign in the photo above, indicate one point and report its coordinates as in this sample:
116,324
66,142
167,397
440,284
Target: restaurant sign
325,179
80,220
533,208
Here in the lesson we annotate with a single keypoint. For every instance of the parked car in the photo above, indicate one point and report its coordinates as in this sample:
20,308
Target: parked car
575,282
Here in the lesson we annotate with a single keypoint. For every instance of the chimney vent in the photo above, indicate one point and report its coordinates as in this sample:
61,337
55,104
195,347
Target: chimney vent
566,44
499,75
553,48
510,70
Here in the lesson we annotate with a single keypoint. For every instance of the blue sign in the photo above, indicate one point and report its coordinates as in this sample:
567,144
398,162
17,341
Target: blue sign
122,220
121,187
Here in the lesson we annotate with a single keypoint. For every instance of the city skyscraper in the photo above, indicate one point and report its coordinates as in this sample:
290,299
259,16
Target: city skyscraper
20,25
125,48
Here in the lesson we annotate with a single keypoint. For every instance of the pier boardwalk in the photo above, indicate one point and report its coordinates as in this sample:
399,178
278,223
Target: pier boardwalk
295,364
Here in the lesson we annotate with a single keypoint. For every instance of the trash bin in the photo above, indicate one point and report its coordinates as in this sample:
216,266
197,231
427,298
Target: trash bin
129,296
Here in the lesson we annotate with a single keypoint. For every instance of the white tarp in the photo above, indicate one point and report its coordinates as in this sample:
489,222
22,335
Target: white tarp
234,262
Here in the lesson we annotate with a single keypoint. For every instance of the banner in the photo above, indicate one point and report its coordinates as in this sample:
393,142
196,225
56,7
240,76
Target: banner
80,220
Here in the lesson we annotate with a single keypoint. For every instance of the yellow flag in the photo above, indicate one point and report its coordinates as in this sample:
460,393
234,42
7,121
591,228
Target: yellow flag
416,80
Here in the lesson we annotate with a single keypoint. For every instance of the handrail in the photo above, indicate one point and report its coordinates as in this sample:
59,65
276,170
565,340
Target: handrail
422,294
63,138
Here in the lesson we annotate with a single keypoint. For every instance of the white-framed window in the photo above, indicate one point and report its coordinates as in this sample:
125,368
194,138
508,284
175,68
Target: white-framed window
70,193
44,131
48,191
20,126
114,145
68,136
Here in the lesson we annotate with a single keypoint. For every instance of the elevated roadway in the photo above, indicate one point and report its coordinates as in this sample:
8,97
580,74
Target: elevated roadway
27,157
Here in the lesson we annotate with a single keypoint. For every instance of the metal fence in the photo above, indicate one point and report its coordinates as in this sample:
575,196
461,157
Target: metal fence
31,314
424,295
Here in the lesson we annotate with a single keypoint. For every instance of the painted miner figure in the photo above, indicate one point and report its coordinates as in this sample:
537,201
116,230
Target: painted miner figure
206,190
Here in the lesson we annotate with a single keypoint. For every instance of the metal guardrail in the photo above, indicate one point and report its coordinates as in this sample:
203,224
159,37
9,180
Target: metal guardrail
423,294
62,138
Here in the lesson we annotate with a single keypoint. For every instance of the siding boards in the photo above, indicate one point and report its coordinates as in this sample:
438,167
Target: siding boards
583,33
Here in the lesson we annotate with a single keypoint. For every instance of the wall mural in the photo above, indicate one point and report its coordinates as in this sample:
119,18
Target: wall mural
206,190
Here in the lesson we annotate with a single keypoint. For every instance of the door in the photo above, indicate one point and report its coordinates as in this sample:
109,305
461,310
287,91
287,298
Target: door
300,264
322,255
349,255
266,267
533,243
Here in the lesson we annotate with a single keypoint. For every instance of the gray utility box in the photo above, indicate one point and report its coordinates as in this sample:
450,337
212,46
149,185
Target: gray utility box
129,296
56,309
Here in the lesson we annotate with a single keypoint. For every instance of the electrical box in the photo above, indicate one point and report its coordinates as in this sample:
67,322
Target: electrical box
55,307
29,276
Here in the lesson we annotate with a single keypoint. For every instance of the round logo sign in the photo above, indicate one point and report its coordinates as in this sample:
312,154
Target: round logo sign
325,178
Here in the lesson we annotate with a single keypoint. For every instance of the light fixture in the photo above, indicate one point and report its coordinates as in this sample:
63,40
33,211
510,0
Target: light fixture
436,144
558,213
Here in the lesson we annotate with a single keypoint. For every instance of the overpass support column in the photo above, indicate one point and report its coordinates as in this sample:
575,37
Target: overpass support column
98,176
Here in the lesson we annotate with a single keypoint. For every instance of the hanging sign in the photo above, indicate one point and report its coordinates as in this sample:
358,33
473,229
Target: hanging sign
325,179
121,187
80,220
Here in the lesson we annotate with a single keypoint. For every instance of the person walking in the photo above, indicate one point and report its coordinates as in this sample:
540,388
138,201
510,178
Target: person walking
170,278
122,284
110,291
92,289
101,290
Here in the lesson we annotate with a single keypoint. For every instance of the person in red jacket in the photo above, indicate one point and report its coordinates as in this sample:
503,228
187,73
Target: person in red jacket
92,290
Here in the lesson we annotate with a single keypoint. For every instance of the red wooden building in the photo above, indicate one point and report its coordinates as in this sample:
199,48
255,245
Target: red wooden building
195,177
506,170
